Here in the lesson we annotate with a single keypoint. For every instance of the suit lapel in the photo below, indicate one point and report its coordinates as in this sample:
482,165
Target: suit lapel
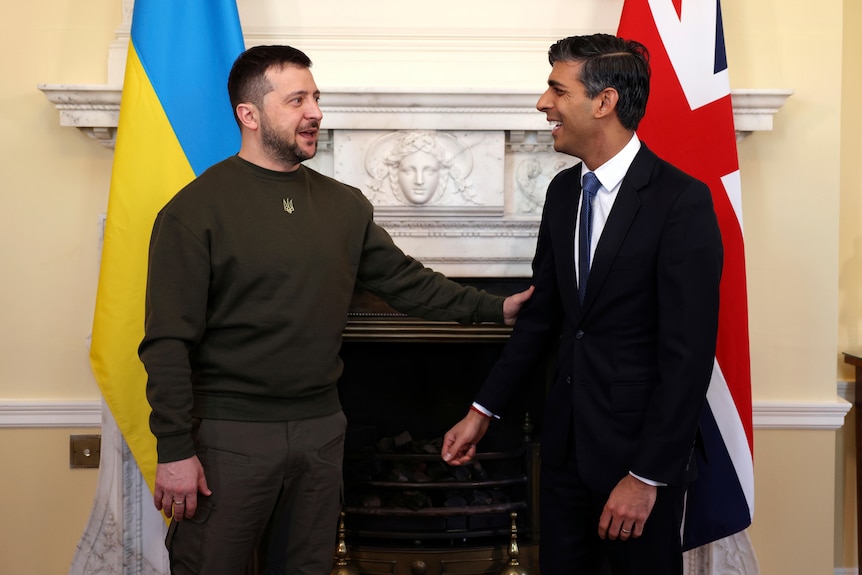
566,218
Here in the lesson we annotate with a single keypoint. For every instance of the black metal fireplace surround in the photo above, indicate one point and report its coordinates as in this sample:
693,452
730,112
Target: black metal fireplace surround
405,383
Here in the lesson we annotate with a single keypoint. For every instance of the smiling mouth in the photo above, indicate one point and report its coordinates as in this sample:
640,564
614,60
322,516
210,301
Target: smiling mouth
310,134
310,131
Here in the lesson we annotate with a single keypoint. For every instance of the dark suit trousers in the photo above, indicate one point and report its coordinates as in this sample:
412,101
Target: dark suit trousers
570,544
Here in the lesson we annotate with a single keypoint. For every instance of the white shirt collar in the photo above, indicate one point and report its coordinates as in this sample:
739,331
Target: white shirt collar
612,172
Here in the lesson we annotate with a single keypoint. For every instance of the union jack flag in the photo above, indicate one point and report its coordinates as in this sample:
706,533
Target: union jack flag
689,122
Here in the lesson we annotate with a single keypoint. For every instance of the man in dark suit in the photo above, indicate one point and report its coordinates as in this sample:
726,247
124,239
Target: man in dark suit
636,346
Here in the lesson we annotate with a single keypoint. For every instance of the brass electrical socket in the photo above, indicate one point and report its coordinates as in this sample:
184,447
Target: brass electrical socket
84,451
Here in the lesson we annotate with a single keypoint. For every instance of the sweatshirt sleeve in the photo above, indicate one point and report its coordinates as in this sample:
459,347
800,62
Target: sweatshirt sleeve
418,291
176,300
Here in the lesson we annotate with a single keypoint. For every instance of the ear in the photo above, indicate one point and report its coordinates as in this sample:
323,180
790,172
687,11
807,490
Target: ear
249,115
607,102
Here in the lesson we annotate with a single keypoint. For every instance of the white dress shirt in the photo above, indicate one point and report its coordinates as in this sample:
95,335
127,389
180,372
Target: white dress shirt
610,176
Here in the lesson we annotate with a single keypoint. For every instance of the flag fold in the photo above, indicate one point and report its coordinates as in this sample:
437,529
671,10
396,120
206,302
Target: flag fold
689,122
175,121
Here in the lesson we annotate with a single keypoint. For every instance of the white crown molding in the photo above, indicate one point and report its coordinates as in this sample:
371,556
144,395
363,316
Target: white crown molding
827,415
95,109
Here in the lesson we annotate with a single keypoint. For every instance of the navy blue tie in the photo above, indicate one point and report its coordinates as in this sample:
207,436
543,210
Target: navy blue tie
590,187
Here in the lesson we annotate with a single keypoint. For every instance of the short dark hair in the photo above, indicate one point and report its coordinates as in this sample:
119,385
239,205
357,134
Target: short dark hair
610,62
247,81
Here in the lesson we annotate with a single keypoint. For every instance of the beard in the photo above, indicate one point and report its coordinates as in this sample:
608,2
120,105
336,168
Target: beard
282,147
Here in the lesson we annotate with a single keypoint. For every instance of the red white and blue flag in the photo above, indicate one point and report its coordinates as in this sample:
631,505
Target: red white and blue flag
689,122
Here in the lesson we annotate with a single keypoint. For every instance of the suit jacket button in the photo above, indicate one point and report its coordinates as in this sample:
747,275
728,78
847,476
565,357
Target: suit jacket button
569,379
579,334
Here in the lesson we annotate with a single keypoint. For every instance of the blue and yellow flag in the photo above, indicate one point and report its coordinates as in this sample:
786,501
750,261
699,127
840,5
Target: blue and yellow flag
175,122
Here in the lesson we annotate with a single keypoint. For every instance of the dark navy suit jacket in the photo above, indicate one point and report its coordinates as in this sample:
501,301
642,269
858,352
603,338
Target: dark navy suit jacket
635,360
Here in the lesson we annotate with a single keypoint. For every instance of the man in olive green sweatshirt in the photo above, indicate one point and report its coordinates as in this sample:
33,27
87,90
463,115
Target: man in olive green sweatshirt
252,268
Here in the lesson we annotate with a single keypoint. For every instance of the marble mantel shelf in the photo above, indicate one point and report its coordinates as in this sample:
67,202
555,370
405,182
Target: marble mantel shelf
94,109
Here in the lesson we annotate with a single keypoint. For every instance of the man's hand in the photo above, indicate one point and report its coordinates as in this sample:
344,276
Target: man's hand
627,509
177,487
459,443
512,305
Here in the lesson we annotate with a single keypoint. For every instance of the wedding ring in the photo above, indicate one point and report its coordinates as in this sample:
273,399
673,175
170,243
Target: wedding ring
179,502
626,530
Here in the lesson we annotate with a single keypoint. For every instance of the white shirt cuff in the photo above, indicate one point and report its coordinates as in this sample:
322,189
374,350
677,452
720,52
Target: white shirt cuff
648,481
482,409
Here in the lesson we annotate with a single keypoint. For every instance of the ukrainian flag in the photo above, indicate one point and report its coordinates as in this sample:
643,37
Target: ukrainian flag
175,122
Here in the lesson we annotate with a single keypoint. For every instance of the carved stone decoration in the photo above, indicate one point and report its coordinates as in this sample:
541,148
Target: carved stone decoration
696,561
125,534
468,247
424,172
532,175
100,550
144,550
753,110
95,110
732,555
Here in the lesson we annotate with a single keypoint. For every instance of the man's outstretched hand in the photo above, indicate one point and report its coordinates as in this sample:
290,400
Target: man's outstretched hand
459,443
512,305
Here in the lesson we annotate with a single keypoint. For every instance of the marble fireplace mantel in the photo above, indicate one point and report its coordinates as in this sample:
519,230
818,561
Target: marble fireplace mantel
94,109
477,225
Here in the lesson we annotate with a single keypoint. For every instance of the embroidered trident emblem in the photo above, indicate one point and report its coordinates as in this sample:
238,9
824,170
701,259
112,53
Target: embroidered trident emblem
288,205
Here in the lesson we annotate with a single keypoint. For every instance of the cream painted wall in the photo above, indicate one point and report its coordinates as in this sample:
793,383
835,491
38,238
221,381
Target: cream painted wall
850,220
465,45
791,212
54,185
792,532
45,504
791,229
849,271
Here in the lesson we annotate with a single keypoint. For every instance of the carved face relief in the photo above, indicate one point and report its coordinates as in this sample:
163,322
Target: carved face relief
418,176
424,171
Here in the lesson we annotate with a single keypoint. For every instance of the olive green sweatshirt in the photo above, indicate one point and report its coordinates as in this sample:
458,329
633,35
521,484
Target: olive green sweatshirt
251,274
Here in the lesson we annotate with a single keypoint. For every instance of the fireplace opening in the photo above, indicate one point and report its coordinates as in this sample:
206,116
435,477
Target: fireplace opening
405,383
